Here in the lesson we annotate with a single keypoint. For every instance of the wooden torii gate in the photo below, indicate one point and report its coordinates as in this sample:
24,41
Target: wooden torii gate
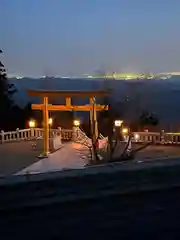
92,107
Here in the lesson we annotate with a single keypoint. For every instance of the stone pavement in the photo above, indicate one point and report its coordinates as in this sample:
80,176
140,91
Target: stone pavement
17,156
68,157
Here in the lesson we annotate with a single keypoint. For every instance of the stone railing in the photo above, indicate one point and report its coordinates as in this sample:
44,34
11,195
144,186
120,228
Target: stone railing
141,137
31,134
67,135
156,137
17,135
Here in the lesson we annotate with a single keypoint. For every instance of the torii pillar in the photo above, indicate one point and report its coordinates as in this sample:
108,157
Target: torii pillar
93,119
46,126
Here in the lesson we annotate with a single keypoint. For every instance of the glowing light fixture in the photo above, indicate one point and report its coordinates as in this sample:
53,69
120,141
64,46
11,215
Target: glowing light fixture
125,130
76,123
32,123
50,121
118,123
136,136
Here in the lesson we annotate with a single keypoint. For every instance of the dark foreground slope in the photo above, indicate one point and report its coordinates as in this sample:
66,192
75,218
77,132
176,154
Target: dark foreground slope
144,215
116,204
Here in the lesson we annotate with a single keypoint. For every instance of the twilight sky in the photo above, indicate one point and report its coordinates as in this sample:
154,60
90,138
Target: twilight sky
62,37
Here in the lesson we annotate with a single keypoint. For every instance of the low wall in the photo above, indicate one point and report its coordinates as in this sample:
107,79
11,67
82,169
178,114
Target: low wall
54,143
38,190
57,142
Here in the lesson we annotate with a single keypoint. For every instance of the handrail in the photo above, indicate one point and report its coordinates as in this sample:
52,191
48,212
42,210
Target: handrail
68,134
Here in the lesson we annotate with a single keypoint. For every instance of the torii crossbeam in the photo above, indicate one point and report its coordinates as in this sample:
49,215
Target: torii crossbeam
92,107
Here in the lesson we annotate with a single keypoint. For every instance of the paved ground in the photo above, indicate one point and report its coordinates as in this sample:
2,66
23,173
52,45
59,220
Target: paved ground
17,156
68,157
158,151
151,151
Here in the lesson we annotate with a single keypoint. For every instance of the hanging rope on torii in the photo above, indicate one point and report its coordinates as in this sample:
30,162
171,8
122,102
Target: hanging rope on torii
92,107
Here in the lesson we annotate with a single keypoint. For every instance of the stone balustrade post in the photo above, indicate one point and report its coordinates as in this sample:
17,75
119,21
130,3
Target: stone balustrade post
146,138
162,140
35,133
32,130
60,132
2,136
17,133
75,133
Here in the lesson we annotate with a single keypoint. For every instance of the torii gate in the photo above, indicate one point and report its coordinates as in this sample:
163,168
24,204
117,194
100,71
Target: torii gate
92,107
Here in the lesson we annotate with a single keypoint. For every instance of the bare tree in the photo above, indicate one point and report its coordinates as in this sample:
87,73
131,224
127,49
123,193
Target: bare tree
116,111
